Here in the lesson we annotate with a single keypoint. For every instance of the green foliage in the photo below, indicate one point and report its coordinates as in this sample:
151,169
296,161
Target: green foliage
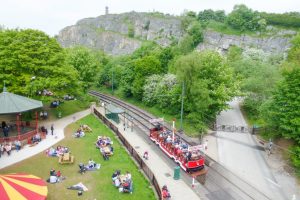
243,18
207,15
258,77
163,91
291,19
131,30
87,63
285,105
295,158
146,49
294,53
30,53
144,67
195,31
147,24
209,85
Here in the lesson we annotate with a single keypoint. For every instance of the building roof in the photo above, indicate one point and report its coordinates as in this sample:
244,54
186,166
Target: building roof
113,109
12,103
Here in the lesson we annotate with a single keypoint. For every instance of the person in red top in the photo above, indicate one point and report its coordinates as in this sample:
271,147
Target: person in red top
165,193
58,174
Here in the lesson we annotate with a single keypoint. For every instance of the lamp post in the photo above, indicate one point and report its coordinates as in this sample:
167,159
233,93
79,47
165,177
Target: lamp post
181,111
112,81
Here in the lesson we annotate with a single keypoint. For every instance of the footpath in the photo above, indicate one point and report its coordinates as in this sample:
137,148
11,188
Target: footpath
163,172
58,135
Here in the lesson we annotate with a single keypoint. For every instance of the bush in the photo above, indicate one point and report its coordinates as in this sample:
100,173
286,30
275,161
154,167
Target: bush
295,158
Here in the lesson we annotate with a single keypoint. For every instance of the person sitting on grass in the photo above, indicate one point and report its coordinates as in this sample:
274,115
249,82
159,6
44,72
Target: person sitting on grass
53,179
79,133
91,163
115,175
105,156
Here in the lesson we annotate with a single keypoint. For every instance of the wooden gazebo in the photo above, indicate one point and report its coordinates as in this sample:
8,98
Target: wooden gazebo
15,104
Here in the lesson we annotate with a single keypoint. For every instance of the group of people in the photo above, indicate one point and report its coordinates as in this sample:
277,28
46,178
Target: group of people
92,165
58,151
55,103
43,114
79,133
55,177
7,147
36,138
122,182
180,147
105,145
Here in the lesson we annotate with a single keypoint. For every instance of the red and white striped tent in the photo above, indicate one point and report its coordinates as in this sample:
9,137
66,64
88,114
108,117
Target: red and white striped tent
22,187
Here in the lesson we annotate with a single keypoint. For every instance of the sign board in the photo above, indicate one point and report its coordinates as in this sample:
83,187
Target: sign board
158,120
196,148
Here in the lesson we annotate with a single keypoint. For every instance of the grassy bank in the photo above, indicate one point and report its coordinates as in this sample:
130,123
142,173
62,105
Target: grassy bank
98,182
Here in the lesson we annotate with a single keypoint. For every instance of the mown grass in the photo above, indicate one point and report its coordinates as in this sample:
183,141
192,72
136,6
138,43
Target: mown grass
98,182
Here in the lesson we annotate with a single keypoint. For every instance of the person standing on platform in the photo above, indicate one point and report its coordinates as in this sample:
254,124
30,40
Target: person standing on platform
52,129
206,145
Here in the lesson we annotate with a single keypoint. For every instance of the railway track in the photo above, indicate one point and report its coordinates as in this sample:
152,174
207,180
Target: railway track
220,182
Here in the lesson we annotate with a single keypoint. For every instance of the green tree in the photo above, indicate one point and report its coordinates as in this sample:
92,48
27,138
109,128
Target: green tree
209,85
87,63
285,105
294,53
195,31
144,67
30,53
243,18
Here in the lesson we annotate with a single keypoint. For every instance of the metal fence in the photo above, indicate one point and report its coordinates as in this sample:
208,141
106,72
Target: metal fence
133,153
233,128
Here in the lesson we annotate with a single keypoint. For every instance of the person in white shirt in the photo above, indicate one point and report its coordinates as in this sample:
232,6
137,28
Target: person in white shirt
91,163
53,179
128,176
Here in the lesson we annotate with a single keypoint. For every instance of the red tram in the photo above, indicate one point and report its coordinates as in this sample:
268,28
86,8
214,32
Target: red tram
190,158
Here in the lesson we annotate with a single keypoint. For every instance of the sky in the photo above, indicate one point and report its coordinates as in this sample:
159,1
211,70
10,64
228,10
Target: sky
51,16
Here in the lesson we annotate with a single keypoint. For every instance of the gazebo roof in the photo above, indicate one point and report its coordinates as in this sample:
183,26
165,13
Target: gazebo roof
12,103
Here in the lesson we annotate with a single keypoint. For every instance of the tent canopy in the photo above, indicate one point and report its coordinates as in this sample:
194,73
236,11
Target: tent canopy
22,187
11,103
113,109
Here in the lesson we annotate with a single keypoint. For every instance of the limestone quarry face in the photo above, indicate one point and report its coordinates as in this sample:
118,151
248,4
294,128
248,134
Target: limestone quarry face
111,32
221,42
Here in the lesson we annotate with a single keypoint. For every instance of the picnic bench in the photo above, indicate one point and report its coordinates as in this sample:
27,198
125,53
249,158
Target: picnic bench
66,158
86,128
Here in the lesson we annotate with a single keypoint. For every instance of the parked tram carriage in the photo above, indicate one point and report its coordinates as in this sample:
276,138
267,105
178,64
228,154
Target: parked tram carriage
190,158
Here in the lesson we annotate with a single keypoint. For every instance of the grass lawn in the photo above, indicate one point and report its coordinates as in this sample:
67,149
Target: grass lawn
98,182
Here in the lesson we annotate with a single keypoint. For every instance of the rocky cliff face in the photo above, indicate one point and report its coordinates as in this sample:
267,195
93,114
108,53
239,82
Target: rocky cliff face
221,42
111,32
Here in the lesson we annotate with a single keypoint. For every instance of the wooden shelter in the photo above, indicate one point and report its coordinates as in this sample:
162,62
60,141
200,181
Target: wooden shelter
15,104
